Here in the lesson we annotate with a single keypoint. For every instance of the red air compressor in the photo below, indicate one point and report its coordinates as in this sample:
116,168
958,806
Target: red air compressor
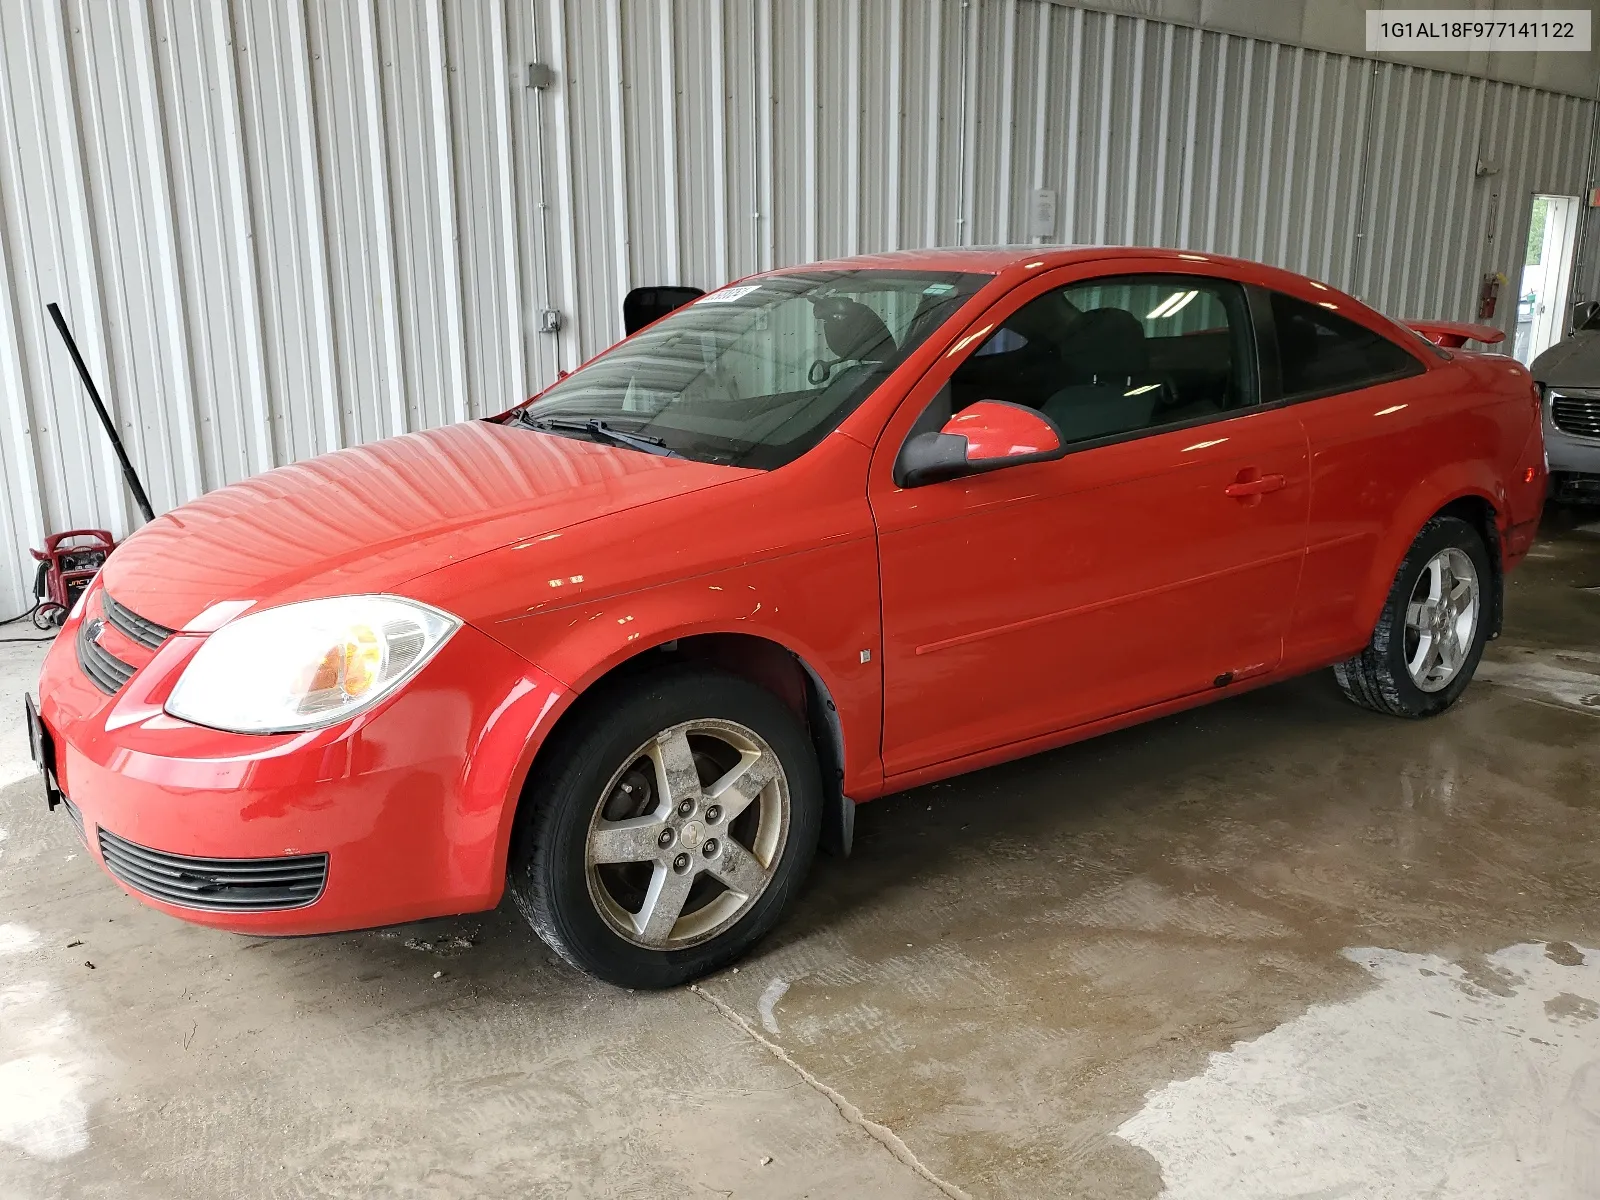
66,565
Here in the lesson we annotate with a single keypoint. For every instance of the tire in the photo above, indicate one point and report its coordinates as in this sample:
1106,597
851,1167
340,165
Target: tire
1382,677
612,785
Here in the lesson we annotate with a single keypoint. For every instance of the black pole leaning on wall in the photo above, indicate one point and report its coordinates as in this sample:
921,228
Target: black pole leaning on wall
128,473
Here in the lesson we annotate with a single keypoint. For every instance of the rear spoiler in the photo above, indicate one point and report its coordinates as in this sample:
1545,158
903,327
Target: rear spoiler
1452,335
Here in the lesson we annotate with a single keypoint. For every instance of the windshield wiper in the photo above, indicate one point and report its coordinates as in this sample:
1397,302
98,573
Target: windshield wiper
600,431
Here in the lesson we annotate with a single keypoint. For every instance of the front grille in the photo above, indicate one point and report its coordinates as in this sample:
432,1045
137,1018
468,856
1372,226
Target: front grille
132,626
77,818
104,669
219,884
1578,415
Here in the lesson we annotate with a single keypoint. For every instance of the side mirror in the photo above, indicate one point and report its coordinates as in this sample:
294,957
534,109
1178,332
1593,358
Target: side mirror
1585,315
985,436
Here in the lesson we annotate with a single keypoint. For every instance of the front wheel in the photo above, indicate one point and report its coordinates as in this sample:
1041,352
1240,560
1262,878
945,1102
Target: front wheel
1433,628
669,828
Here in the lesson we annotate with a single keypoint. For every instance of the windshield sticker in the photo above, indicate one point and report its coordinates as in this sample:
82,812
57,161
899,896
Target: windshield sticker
729,295
938,289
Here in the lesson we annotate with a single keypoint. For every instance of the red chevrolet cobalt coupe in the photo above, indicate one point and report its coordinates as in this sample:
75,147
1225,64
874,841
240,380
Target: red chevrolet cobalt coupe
634,648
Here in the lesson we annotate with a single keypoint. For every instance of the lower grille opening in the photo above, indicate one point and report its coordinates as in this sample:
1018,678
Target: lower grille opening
216,884
77,818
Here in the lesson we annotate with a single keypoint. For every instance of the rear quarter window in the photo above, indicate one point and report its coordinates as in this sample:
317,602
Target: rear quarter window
1321,353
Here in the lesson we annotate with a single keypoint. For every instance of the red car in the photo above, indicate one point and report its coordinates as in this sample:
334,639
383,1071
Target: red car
633,648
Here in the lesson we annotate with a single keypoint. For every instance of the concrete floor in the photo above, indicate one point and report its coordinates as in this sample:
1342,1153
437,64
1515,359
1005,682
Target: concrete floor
1276,947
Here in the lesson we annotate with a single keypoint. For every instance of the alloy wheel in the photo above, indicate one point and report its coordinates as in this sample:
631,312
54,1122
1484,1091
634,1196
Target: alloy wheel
686,835
1441,619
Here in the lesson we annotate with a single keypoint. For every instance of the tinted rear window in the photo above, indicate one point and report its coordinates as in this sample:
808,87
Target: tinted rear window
1320,352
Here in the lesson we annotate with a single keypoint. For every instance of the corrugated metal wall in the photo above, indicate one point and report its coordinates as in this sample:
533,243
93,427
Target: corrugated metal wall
284,226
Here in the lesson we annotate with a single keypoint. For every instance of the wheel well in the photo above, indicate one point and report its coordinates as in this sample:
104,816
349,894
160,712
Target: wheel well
1480,514
764,663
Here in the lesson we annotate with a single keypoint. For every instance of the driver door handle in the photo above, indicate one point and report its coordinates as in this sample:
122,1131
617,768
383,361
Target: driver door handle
1256,487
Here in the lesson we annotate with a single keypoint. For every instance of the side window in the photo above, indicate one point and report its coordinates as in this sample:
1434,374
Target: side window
1115,356
1320,352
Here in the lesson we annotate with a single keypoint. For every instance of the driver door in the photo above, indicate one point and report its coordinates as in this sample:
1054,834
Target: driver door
1158,558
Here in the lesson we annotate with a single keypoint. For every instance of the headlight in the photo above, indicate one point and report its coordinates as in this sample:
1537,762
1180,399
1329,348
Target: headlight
307,665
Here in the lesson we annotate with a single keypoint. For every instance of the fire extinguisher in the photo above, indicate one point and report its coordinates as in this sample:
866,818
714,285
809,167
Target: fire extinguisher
1488,294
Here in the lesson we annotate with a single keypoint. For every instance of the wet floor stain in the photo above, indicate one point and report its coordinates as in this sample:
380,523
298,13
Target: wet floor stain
1564,677
1564,953
45,1067
1566,1006
1425,1085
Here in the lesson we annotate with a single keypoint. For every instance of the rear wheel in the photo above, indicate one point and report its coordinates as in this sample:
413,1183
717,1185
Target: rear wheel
669,829
1433,628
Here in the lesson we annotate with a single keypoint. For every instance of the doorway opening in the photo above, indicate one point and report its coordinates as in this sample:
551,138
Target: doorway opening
1546,276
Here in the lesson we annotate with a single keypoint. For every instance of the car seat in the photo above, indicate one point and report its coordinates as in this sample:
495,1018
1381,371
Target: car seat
1117,393
862,346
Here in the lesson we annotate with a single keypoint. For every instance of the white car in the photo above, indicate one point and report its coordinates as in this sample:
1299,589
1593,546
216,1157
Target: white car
1568,375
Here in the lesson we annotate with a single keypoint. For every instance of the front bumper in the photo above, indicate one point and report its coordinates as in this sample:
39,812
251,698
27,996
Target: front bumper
1572,451
411,802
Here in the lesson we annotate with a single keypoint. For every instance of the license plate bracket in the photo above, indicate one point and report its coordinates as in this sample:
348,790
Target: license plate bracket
42,746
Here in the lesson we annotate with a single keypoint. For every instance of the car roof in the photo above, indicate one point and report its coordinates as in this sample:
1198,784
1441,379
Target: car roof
995,259
1020,259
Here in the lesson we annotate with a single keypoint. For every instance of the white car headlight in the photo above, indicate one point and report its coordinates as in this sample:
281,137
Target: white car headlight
307,665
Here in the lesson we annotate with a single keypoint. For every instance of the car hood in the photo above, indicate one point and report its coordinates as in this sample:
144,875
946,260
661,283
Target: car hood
371,518
1574,362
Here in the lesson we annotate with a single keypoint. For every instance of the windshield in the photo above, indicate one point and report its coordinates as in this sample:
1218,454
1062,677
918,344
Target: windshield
757,374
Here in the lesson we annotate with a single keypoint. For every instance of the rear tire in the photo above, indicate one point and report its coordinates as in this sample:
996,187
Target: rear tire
1432,630
667,828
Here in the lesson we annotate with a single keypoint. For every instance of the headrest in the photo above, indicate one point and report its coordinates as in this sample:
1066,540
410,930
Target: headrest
1109,343
1297,339
853,330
